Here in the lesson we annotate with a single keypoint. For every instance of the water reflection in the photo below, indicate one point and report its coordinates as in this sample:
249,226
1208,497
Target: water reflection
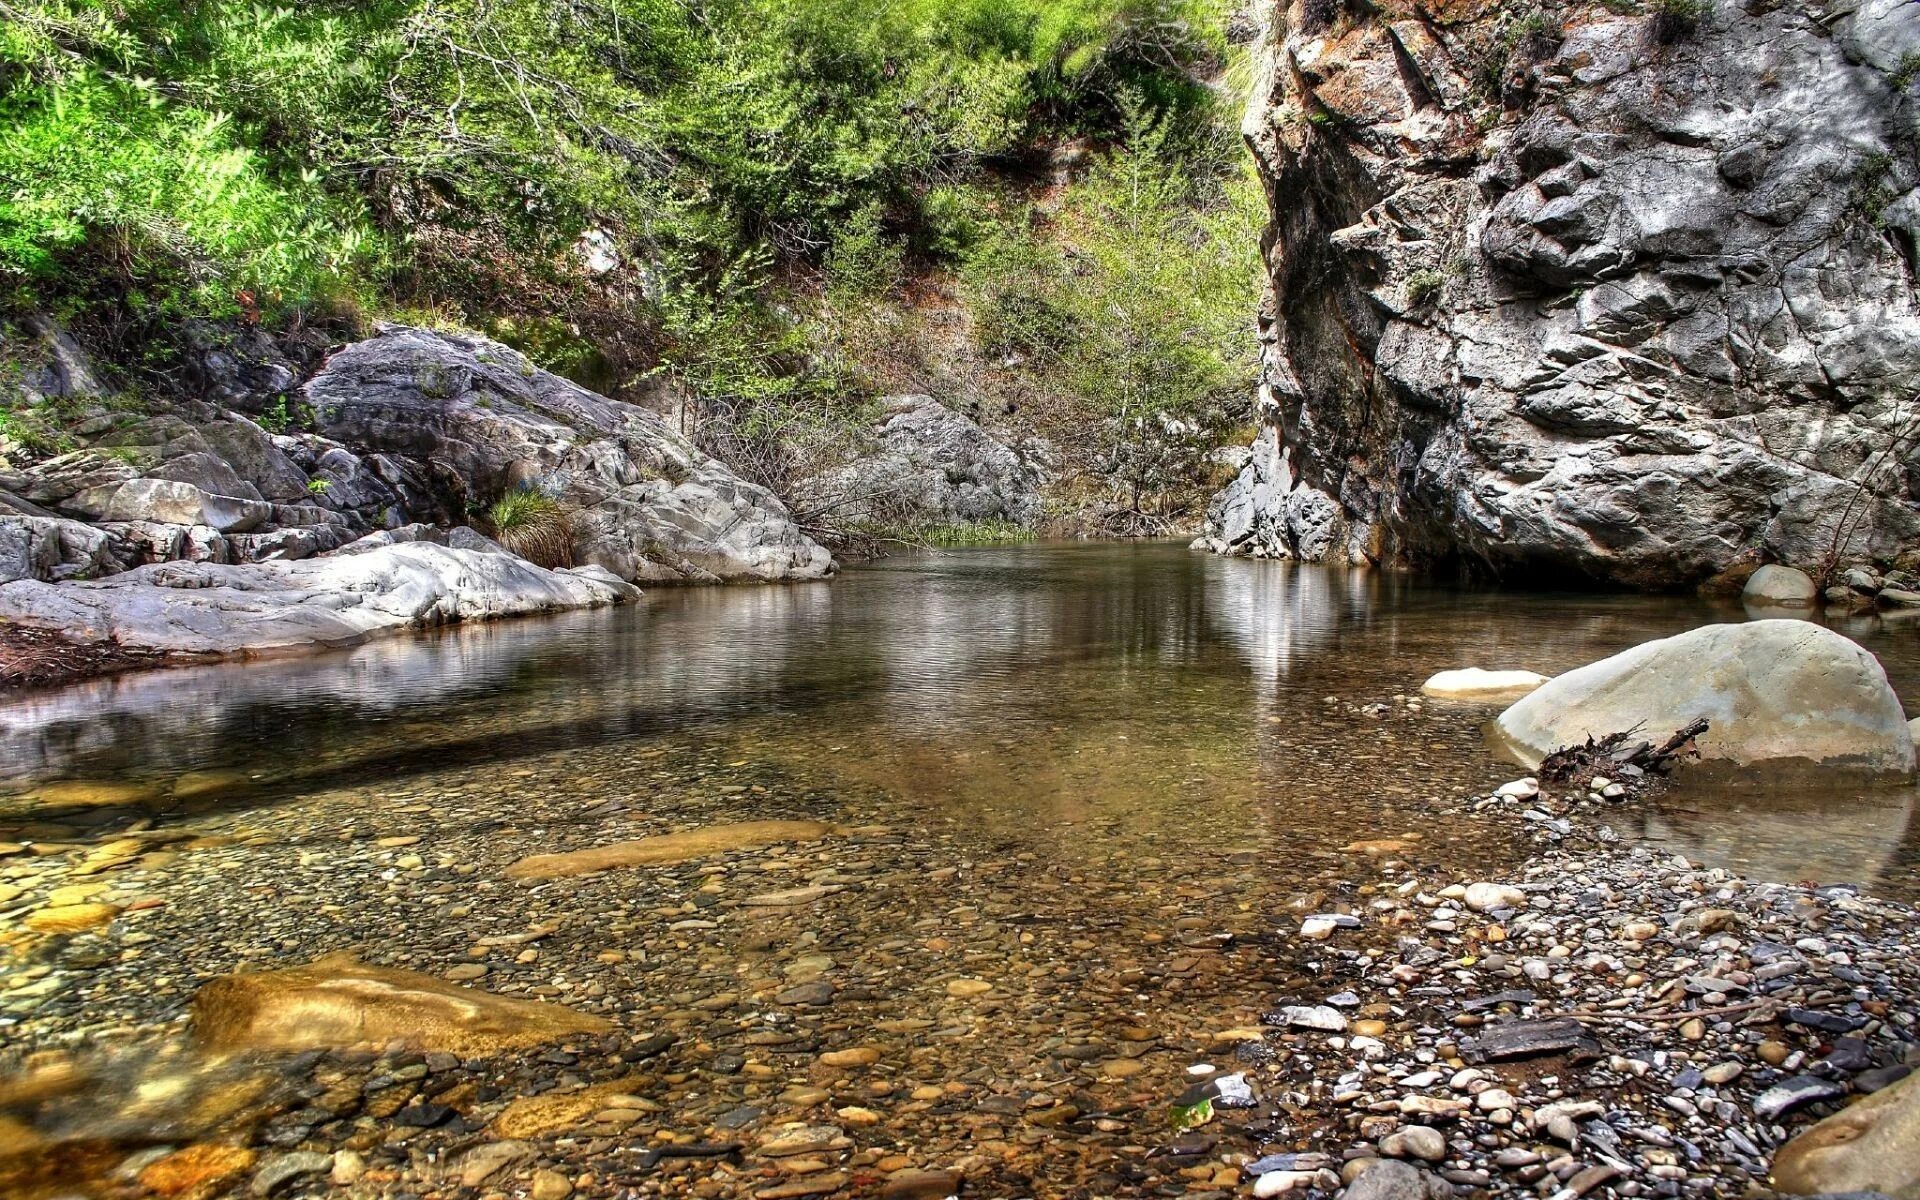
1057,684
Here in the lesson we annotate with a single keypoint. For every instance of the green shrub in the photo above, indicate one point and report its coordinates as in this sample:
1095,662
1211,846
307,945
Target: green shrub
1674,20
533,525
1424,286
1135,300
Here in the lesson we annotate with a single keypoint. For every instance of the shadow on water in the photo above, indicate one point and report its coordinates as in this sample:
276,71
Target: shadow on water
1096,682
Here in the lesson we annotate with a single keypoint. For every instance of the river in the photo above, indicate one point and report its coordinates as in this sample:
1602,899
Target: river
1073,793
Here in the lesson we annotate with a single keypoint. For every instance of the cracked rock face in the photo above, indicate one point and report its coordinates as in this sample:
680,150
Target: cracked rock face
930,464
1565,290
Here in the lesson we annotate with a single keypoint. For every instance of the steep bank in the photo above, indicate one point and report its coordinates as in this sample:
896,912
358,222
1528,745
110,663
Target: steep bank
1620,294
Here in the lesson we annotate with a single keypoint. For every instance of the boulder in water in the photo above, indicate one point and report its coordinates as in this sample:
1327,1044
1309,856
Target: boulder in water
1779,586
1780,695
338,1002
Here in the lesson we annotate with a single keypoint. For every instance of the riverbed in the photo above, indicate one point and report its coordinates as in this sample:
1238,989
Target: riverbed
1069,801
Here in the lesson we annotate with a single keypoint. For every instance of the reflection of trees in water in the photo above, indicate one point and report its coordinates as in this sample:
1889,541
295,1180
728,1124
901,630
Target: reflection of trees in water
1037,655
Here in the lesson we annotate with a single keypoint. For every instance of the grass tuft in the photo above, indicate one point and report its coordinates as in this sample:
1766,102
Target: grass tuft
533,525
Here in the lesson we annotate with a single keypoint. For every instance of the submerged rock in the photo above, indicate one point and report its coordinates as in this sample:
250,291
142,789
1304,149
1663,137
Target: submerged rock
1872,1146
667,848
1474,683
338,1002
1779,695
280,607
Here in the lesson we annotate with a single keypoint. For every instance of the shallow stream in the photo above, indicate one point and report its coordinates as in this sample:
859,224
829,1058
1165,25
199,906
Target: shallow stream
1076,791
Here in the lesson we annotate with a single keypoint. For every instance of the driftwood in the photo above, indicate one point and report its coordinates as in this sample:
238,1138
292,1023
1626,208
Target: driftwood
1608,755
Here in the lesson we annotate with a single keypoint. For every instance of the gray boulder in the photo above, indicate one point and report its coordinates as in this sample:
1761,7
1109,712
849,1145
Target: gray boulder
464,420
928,464
1782,697
167,502
1778,586
286,607
54,548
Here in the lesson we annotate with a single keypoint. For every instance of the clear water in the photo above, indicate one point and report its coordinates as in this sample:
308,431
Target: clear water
1075,700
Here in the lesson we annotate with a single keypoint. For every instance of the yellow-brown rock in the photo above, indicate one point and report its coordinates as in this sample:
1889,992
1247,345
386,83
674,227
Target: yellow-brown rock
538,1116
96,793
196,1170
667,848
71,918
1872,1146
339,1001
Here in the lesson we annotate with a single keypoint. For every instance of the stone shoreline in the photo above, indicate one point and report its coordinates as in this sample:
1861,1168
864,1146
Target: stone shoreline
1614,1021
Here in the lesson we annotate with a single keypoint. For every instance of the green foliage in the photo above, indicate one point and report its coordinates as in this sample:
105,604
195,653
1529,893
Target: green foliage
1137,304
762,176
970,533
1905,71
533,525
1424,286
30,434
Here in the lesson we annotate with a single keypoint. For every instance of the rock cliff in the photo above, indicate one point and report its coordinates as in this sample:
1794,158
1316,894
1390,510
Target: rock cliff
1615,291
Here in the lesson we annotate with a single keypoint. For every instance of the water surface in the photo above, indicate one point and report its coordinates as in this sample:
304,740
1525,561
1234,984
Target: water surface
1186,704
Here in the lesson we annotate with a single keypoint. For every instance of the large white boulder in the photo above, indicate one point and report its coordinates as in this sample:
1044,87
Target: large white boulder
316,603
1779,695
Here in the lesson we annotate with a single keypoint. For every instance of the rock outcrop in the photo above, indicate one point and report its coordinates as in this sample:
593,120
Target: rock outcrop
1780,696
475,419
209,609
406,428
1571,290
931,465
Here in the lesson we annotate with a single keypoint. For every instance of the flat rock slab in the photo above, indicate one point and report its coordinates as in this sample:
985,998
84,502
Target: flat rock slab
1508,1040
666,848
317,603
338,1002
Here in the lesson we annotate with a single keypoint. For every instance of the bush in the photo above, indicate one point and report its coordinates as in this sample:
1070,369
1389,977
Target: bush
1674,20
1137,303
533,525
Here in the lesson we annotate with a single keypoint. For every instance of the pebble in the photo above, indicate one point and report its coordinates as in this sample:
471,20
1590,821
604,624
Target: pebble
282,1169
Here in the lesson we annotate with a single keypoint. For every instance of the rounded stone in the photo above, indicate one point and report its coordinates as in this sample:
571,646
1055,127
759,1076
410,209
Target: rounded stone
1774,584
1779,696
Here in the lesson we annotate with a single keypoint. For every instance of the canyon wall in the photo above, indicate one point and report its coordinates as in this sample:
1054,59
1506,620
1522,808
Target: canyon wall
1608,292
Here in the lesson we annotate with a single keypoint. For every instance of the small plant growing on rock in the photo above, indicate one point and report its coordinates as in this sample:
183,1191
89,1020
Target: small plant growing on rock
1905,72
1424,287
1674,20
533,525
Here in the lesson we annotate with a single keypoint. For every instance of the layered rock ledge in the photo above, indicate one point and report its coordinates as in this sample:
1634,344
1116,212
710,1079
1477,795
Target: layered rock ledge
215,610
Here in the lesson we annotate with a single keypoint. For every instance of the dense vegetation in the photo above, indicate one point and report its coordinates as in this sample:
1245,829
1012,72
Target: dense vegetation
721,193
